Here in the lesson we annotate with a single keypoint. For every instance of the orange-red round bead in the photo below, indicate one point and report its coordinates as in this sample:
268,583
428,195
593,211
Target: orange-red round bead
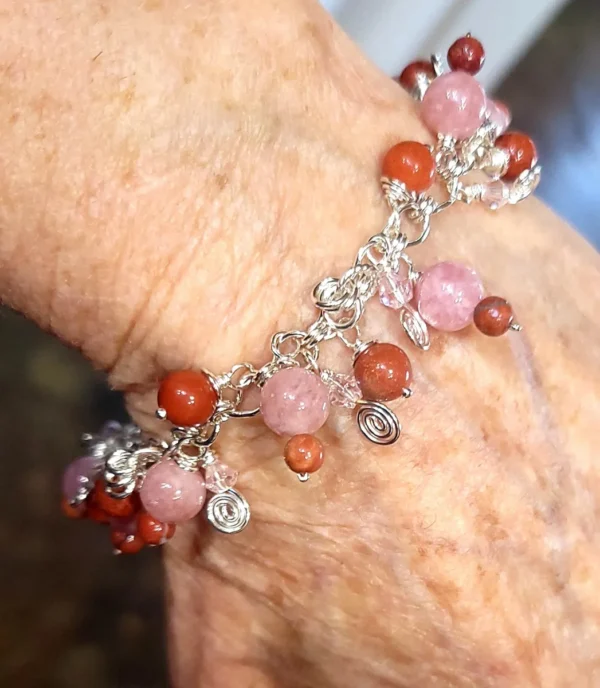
383,372
95,513
493,316
466,54
152,531
188,397
118,508
73,510
521,150
411,163
126,543
303,454
411,73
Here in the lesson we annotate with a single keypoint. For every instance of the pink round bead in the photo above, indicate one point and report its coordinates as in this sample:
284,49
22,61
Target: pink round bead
499,115
80,476
454,105
171,494
447,294
294,402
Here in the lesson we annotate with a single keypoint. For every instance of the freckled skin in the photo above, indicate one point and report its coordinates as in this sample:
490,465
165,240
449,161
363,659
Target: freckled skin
175,223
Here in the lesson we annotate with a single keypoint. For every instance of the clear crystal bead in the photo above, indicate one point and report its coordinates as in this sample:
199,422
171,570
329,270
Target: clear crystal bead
395,291
219,477
495,194
344,390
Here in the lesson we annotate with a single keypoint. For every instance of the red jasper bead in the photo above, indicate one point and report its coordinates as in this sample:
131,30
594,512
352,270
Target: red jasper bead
521,150
415,70
303,454
383,372
153,531
95,513
467,55
188,397
73,510
493,316
113,506
411,163
126,543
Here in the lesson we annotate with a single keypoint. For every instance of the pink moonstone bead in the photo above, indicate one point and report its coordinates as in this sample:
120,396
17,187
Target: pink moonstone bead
171,494
80,475
454,105
499,115
447,294
294,401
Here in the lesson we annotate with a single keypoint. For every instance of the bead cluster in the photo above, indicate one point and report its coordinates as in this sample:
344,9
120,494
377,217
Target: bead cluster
142,486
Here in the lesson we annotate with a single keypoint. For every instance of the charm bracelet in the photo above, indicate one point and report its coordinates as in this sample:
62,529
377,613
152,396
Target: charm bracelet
142,486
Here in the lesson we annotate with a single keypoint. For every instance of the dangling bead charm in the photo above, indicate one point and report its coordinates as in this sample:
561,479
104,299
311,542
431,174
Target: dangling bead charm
411,163
383,372
172,494
219,476
113,506
521,150
466,54
303,454
494,316
153,531
454,105
188,397
344,390
447,294
294,401
80,476
417,76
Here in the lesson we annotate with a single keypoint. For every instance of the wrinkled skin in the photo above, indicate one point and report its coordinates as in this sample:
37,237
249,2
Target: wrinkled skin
174,178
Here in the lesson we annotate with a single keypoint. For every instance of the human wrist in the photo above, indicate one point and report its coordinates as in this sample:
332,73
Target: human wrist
112,234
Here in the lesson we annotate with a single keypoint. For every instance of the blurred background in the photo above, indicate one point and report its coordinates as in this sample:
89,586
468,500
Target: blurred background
71,614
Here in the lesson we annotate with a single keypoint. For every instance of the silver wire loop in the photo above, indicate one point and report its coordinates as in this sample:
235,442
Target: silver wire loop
377,423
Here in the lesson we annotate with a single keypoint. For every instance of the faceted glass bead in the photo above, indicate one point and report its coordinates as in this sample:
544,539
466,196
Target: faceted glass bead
395,291
447,294
495,194
454,105
219,476
344,390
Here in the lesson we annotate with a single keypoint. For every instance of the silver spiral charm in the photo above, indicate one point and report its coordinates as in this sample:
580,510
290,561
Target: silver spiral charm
228,511
377,423
415,327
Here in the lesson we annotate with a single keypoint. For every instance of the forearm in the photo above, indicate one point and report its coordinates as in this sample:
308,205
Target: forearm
173,184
